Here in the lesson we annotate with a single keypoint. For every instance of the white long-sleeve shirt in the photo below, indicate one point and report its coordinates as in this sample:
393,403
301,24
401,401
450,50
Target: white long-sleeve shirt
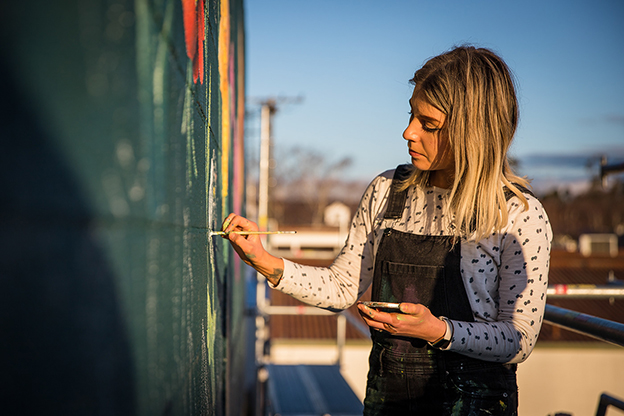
505,275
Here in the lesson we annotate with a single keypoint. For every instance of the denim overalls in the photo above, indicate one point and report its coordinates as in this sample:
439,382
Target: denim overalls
407,376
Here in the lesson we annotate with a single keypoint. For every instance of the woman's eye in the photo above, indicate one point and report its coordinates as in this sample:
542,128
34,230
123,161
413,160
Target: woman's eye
430,129
423,123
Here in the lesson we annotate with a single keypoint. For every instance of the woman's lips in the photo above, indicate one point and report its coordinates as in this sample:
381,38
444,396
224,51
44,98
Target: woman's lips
414,153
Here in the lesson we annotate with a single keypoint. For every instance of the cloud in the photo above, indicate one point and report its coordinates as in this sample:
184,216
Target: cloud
580,159
605,118
615,118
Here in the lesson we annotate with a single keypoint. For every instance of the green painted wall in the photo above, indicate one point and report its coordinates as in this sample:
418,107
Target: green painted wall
116,160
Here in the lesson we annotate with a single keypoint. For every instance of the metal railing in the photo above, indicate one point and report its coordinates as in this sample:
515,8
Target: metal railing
606,401
585,291
341,322
602,329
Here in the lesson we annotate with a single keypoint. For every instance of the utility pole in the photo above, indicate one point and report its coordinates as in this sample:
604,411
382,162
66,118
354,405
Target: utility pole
268,108
606,169
267,111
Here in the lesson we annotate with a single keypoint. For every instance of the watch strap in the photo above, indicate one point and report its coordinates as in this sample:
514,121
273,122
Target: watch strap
445,340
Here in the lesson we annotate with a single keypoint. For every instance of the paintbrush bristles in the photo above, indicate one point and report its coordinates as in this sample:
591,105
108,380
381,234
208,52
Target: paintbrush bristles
251,232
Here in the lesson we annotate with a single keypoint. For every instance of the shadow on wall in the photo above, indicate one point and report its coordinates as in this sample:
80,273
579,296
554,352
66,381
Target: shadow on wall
65,348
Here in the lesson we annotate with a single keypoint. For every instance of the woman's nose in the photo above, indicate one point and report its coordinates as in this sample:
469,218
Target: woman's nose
410,133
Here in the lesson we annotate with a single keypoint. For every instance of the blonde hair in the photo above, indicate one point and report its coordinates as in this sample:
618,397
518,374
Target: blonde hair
474,88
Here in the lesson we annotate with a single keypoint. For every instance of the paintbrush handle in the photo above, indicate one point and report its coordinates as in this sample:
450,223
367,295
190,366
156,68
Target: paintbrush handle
252,232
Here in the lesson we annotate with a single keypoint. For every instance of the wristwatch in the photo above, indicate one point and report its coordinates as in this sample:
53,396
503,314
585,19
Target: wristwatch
444,341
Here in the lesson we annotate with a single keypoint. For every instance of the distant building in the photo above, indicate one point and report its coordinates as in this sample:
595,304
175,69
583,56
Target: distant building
598,244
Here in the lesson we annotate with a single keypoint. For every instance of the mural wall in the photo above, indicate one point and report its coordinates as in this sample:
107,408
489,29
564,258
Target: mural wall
121,124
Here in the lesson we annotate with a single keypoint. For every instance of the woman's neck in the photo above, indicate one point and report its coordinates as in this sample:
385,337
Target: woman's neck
441,179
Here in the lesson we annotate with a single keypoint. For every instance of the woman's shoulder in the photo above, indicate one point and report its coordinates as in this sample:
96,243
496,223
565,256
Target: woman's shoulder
400,172
379,188
383,179
527,193
524,190
532,213
386,175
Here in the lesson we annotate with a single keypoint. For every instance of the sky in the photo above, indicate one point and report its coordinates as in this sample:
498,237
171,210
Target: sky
350,63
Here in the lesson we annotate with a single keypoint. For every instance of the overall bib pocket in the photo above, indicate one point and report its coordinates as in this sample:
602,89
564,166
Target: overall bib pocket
413,283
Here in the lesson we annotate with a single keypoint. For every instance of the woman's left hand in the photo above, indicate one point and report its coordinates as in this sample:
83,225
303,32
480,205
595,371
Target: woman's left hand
415,320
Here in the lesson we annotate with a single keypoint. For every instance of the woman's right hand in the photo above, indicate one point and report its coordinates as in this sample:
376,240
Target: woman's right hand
249,248
414,320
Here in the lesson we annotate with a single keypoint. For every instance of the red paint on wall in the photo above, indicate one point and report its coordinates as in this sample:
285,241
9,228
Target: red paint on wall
195,35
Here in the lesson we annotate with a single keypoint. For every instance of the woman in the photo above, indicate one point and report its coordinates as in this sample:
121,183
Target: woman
455,237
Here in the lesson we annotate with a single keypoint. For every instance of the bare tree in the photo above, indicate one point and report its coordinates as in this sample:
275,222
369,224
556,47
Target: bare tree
306,175
595,211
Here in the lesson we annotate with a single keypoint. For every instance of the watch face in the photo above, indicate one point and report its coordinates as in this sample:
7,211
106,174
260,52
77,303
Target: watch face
442,344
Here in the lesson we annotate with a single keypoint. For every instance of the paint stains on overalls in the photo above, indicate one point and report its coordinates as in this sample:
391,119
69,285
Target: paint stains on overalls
406,375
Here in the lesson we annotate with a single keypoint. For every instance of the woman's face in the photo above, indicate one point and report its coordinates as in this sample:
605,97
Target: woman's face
430,151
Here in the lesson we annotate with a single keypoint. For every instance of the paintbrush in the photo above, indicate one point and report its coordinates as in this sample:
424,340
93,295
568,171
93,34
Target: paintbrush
251,232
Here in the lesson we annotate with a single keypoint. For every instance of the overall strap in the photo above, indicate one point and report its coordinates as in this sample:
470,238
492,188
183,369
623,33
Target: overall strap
396,199
509,194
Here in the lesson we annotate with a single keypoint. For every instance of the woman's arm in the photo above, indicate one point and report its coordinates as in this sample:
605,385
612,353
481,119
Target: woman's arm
334,287
510,336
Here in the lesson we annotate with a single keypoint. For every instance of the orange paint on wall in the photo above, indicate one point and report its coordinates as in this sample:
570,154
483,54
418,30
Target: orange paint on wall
224,87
